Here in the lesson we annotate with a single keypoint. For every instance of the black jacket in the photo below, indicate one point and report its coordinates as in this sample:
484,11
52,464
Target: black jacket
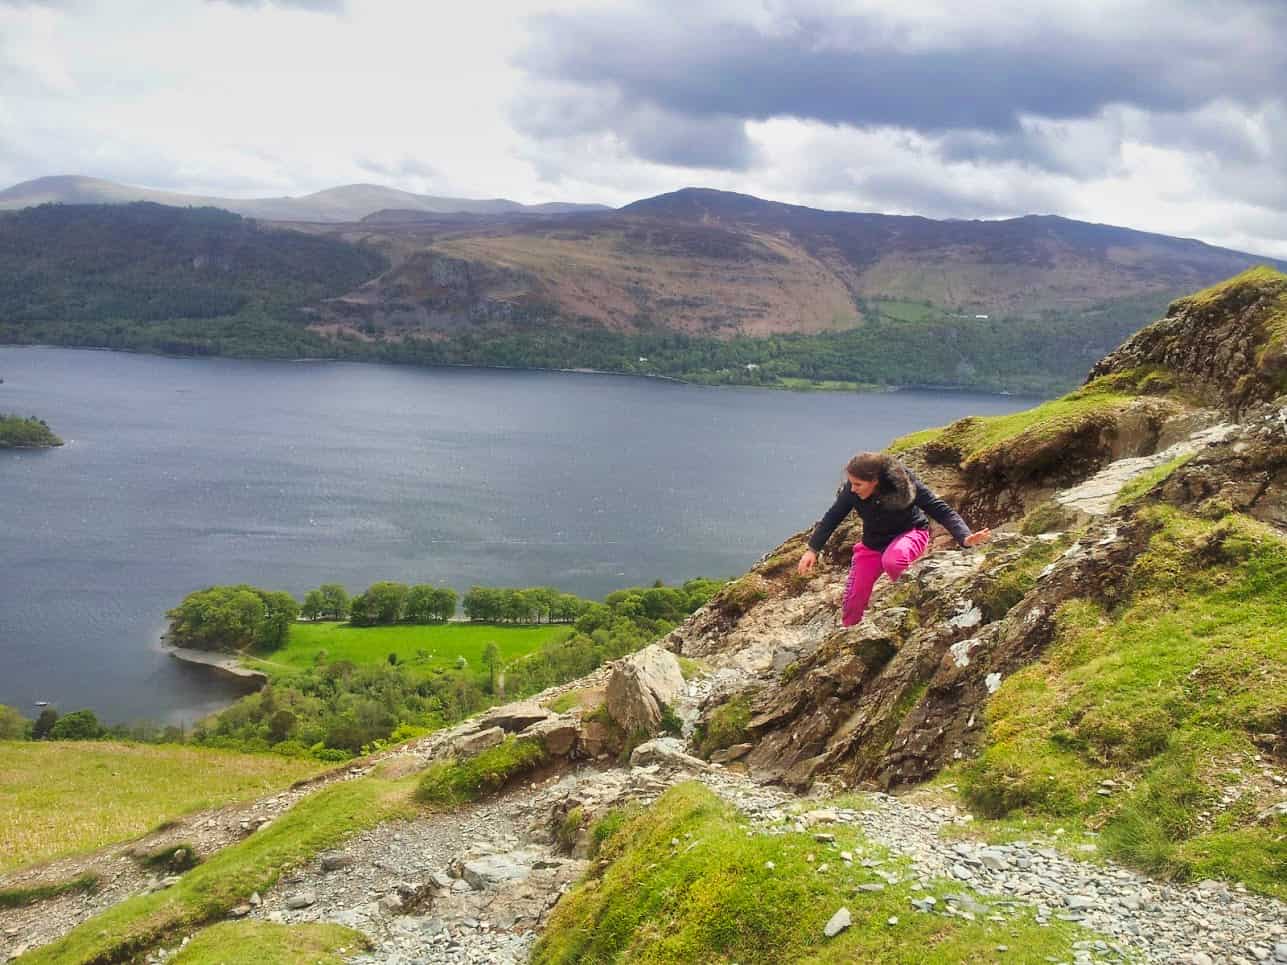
899,504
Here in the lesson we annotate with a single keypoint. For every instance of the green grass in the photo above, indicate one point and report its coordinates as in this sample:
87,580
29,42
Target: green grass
63,797
263,943
448,784
824,385
424,647
1166,696
209,891
687,883
725,726
18,897
973,437
565,702
1145,481
906,311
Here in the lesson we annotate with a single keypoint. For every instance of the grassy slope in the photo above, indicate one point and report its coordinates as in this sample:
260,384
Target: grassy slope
1166,697
976,435
207,892
63,797
441,643
263,943
687,883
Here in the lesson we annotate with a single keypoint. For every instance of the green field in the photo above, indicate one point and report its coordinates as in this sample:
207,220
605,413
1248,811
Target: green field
64,797
425,647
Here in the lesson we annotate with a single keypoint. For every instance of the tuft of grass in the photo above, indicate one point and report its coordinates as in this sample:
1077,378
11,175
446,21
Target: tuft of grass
1047,517
120,791
742,594
725,726
564,702
1145,481
19,897
226,879
687,880
691,668
568,828
1167,697
1007,586
264,943
448,784
602,830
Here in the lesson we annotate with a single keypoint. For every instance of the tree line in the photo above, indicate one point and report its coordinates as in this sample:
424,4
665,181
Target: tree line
336,709
242,617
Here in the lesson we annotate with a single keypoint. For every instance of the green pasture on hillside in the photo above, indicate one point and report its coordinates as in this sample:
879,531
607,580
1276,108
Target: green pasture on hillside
64,797
425,647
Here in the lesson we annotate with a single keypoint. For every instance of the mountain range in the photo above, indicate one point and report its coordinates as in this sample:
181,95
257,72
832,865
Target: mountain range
697,283
350,202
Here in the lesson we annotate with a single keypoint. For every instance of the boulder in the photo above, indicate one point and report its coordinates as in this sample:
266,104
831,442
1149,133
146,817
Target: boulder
597,739
556,734
477,741
640,684
668,752
515,717
495,869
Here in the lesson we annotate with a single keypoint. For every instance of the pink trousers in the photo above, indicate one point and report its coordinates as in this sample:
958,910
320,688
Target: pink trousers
868,564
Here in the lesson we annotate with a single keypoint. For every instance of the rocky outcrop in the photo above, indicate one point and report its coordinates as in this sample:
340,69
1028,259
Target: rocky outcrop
1226,345
897,698
641,686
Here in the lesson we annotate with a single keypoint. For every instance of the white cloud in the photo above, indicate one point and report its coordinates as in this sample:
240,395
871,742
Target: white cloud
258,98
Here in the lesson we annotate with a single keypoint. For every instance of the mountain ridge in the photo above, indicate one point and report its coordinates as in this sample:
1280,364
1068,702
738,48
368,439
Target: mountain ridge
343,203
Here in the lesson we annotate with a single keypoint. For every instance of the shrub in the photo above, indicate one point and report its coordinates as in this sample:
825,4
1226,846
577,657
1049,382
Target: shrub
79,725
13,726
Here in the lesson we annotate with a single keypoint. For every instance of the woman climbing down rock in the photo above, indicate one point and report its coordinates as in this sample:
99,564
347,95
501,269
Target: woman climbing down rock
893,504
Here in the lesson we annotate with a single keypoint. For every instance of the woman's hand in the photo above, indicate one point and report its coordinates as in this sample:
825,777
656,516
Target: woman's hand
806,562
975,538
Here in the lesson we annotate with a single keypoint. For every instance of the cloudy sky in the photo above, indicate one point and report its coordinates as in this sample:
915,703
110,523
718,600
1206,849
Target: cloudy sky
1165,115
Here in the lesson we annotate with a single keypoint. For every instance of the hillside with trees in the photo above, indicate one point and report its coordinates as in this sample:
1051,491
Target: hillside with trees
700,285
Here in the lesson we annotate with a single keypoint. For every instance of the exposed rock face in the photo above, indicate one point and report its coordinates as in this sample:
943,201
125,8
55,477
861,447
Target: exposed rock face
893,700
1227,344
640,684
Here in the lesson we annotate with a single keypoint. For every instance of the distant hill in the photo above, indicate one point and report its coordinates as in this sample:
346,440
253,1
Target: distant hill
347,203
698,284
102,274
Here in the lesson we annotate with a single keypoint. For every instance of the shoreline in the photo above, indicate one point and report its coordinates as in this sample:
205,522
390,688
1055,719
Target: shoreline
858,388
220,663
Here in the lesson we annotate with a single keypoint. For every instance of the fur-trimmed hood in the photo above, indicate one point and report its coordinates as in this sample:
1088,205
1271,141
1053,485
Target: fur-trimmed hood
897,490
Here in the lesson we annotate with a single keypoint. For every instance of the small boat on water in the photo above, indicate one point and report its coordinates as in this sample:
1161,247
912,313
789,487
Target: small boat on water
42,703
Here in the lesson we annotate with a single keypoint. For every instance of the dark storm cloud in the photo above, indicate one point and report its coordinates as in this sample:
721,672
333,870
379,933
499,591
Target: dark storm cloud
865,70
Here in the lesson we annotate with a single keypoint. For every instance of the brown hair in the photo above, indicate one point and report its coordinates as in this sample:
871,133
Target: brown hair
866,466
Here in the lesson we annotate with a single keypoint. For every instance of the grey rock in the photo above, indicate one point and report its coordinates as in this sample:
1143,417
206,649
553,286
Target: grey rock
838,923
667,751
335,860
474,743
301,899
515,717
639,685
494,869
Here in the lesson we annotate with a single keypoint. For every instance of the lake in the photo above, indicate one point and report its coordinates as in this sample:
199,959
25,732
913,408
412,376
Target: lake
179,474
